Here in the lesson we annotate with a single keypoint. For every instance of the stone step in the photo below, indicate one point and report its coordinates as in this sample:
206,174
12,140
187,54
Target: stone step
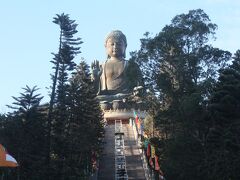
132,154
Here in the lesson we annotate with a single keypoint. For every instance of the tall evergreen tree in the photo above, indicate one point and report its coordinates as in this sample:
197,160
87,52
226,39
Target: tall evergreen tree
85,125
24,134
180,66
223,145
178,58
63,65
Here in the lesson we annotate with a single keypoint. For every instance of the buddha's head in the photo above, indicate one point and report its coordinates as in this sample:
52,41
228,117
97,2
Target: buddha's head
116,44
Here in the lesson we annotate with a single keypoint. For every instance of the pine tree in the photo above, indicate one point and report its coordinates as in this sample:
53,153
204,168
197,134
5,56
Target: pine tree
85,127
223,145
57,115
25,134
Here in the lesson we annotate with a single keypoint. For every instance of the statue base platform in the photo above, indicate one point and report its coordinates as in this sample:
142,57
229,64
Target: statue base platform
122,114
109,98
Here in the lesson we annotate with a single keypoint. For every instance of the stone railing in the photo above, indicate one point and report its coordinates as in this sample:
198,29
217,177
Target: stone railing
120,159
148,173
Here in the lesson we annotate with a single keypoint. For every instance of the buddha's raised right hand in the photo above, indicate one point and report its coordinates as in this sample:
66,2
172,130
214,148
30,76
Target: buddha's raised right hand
96,69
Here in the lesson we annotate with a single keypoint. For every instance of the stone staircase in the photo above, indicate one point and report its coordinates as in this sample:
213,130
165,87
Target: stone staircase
134,165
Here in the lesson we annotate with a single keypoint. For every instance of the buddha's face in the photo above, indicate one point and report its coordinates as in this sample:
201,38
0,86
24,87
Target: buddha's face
115,47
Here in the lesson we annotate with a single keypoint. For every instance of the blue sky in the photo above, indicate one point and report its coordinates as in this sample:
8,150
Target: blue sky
28,35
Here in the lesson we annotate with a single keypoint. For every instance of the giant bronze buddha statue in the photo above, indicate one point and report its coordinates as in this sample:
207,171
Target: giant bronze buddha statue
111,79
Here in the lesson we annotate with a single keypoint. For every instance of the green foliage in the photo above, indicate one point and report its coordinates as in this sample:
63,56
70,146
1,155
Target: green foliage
85,122
23,134
183,158
75,140
63,60
178,58
74,119
57,116
148,125
181,67
223,145
68,49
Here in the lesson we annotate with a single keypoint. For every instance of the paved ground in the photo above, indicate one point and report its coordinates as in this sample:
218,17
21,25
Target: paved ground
133,160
